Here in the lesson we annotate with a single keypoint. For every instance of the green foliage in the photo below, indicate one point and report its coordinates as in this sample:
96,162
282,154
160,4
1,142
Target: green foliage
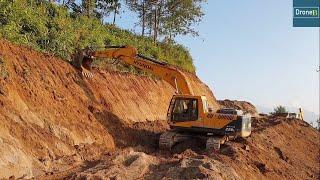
106,7
280,110
168,18
181,16
52,28
88,7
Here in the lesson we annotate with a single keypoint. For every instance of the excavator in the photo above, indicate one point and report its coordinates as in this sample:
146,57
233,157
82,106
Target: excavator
188,115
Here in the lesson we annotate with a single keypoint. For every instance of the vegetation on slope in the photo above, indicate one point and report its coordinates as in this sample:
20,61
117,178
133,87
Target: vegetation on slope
53,28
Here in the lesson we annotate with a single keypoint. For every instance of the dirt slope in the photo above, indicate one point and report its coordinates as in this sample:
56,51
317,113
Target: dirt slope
50,115
54,124
279,148
245,106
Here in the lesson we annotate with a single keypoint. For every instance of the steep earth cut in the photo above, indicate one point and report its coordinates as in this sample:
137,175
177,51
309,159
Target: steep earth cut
56,125
48,110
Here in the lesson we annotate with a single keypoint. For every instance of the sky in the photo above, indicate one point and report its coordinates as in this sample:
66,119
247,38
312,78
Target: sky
249,51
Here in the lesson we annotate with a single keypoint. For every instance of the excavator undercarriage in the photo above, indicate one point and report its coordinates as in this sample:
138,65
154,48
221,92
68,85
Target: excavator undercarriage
170,138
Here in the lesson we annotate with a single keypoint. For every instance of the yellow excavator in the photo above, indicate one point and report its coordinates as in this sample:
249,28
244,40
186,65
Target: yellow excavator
188,115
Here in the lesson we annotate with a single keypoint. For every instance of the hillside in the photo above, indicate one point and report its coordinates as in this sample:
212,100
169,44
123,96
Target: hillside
50,115
55,124
49,27
309,116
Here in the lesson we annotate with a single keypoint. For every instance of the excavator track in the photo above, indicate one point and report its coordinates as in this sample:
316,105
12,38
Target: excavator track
213,143
166,140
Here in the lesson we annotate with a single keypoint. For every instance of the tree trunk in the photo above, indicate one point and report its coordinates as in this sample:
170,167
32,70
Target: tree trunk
88,2
158,17
155,30
143,17
150,25
114,16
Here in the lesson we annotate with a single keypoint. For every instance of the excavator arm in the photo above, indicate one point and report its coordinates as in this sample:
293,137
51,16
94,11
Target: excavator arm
129,55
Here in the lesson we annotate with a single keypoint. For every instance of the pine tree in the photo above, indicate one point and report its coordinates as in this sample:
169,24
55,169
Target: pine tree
168,18
106,7
88,7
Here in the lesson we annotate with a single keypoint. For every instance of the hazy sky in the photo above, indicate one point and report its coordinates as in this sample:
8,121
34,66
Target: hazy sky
249,50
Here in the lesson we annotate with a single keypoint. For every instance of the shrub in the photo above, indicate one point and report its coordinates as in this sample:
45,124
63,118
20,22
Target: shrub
279,110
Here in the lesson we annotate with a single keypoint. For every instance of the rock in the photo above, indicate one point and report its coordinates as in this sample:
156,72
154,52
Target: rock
3,90
246,147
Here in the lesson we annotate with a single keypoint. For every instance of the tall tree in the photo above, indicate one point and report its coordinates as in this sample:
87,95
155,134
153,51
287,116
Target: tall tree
106,7
141,7
168,18
88,7
180,17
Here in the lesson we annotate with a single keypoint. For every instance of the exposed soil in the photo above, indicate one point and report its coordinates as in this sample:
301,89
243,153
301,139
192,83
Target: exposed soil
245,106
54,124
48,110
270,153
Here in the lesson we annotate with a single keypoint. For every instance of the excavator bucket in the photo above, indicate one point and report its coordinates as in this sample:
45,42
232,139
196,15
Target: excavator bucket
82,61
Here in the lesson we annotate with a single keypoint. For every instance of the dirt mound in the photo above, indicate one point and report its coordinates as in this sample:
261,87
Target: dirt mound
277,149
49,112
245,106
192,166
132,164
127,164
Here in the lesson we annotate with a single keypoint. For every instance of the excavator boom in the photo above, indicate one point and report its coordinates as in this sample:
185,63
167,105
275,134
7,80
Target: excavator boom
129,55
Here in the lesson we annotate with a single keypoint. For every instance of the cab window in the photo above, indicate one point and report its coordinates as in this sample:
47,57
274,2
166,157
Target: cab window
185,110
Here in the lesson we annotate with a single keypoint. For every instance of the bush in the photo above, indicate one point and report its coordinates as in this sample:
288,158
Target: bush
52,28
279,110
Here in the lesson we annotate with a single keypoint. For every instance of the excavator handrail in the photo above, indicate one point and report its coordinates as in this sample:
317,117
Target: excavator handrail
152,60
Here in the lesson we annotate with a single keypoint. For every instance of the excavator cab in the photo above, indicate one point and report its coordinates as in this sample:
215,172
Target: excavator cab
186,108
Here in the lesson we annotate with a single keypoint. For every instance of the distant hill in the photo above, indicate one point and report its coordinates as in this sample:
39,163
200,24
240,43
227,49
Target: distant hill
309,116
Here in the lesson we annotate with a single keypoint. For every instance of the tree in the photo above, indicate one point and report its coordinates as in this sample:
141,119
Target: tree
181,16
280,110
141,7
88,7
168,18
106,7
